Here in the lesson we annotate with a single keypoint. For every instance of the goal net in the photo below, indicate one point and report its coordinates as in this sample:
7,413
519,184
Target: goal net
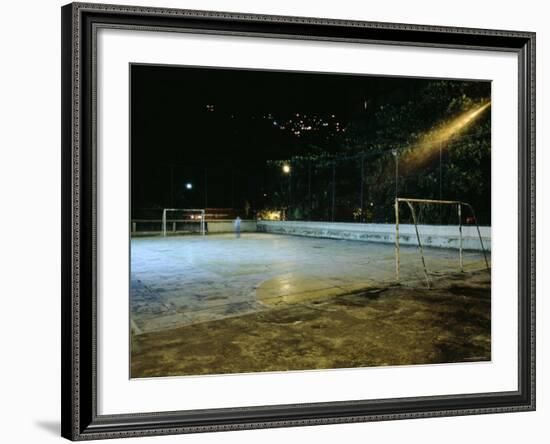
183,221
447,217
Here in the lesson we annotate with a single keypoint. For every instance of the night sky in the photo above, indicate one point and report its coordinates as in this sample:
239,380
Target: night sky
216,128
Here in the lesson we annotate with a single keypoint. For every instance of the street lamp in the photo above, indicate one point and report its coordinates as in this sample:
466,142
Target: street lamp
189,186
286,170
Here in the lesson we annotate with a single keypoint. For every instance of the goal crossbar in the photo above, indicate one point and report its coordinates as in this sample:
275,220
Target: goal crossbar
410,202
188,210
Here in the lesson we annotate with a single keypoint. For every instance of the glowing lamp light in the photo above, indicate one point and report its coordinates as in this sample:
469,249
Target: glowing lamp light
189,186
286,168
439,137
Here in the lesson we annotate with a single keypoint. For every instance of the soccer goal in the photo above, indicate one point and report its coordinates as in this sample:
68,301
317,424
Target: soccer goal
183,221
458,206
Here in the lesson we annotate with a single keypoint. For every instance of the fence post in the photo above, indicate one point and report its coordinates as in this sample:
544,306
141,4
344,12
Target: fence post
460,237
333,188
362,217
309,190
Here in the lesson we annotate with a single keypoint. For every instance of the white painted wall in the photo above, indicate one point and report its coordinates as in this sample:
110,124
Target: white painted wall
437,236
30,187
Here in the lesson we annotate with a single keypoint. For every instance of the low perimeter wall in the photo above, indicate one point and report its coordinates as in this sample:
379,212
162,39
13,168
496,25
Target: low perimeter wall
440,236
153,227
227,226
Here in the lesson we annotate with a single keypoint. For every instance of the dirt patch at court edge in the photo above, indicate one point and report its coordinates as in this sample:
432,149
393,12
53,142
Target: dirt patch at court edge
397,325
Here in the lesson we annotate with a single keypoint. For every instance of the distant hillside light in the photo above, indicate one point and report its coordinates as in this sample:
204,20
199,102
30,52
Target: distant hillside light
286,168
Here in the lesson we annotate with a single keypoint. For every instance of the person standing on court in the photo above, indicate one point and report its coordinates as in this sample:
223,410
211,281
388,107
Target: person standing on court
237,224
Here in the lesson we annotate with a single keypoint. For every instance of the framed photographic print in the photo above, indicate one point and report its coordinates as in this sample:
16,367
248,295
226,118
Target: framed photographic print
280,221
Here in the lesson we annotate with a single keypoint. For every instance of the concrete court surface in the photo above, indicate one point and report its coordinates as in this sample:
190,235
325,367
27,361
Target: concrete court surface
183,280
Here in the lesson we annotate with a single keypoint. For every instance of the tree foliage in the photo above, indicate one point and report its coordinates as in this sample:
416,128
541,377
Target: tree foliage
331,171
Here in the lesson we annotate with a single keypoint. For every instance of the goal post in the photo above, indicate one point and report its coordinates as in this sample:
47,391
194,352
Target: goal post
410,203
194,218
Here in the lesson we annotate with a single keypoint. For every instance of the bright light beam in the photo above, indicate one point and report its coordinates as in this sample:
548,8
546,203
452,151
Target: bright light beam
437,138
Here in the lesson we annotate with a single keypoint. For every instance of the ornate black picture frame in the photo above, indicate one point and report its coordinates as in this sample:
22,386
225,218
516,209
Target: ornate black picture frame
80,419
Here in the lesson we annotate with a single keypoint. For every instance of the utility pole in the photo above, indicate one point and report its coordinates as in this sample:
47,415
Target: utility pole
396,155
290,191
205,187
172,203
232,187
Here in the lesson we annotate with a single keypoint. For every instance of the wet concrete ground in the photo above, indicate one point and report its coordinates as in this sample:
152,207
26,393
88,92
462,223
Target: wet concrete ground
178,281
217,304
395,325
